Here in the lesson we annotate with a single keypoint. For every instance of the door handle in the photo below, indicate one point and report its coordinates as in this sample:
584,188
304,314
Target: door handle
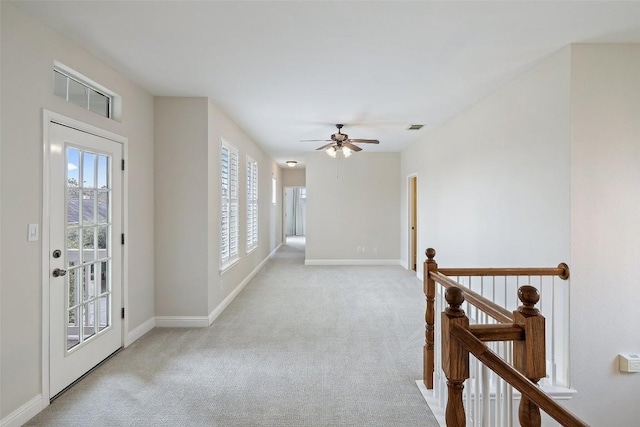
59,272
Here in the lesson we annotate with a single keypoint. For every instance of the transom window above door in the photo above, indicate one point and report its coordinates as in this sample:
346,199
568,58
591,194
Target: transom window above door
84,92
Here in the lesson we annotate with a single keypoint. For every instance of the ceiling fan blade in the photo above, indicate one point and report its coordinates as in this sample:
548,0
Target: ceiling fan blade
315,140
351,146
324,147
365,141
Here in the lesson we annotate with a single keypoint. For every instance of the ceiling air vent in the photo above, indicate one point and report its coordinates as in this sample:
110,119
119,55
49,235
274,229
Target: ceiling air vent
415,127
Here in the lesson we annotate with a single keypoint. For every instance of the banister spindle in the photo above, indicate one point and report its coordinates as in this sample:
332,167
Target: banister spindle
529,355
455,358
430,295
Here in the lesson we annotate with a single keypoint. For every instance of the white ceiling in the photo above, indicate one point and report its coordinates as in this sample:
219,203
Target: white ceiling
286,71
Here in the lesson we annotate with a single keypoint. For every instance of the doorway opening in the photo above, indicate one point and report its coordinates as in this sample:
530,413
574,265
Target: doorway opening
295,216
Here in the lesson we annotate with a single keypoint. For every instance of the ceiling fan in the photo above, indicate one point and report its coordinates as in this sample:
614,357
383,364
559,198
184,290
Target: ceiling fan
341,141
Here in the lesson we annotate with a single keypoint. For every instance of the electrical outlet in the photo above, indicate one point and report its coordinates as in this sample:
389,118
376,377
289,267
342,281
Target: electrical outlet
629,362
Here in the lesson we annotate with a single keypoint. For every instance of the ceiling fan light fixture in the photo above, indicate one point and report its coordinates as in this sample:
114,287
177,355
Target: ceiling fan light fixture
291,163
331,151
341,142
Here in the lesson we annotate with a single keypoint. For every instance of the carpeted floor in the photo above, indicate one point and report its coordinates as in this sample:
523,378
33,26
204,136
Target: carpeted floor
300,346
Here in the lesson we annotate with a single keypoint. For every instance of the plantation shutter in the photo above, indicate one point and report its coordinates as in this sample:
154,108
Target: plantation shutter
252,204
228,204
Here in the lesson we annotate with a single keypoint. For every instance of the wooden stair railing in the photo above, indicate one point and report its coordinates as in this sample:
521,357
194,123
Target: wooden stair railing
433,275
527,332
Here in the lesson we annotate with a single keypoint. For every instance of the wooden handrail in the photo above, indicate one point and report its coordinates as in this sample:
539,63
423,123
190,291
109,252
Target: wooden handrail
433,274
515,378
492,309
500,332
562,271
525,328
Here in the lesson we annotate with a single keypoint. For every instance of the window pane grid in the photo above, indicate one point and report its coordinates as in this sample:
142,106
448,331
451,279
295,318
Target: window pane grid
81,94
88,247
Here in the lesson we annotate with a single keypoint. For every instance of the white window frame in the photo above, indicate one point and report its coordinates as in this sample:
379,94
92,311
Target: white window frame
252,204
229,195
91,86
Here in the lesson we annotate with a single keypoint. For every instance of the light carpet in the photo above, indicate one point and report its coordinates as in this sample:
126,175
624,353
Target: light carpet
300,346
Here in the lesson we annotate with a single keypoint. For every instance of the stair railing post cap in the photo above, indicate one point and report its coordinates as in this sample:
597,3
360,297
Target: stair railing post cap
430,253
454,297
529,296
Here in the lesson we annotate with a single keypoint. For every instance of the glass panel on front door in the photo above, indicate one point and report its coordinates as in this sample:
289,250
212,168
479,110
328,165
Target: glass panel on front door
88,246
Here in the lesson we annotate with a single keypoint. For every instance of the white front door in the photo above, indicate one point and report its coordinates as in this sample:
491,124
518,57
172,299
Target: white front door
85,255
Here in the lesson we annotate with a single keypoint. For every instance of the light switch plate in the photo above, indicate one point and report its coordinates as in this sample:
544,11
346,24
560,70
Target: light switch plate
33,234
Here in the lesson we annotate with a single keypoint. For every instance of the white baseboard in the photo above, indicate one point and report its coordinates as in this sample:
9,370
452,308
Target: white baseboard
225,302
274,251
182,321
206,321
432,401
352,262
138,332
23,413
557,393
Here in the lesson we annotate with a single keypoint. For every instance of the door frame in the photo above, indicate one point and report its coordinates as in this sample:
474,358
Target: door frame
412,202
48,117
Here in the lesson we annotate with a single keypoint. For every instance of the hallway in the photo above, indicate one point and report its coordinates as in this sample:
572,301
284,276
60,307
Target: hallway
300,346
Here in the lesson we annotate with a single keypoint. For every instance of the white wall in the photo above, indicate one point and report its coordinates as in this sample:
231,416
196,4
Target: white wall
293,177
275,227
353,203
181,206
28,51
605,230
0,212
493,183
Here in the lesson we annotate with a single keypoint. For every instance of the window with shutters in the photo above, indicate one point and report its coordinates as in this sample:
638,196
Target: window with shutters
229,189
252,204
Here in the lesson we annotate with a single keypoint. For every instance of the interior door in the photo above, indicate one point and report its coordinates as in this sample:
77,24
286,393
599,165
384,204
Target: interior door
85,255
413,223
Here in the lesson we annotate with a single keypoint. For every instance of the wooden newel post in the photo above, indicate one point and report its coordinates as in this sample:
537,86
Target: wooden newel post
455,359
429,317
529,355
